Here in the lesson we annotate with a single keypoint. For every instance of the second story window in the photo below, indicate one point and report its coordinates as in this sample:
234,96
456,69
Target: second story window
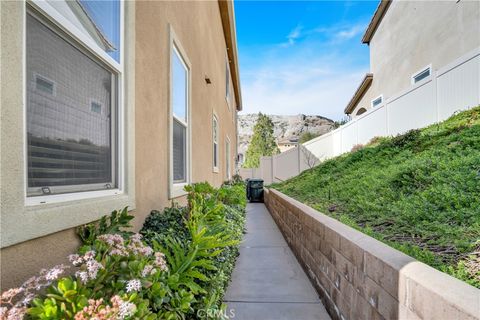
423,74
180,121
377,101
215,143
227,81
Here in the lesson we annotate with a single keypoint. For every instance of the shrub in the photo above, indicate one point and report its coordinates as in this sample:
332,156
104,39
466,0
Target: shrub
183,266
357,147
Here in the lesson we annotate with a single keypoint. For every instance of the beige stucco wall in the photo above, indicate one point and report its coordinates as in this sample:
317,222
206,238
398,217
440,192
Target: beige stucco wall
415,34
198,27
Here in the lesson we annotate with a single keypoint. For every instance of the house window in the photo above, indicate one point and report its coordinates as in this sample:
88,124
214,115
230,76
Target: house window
377,101
227,158
180,119
361,111
68,148
423,74
215,143
227,81
96,107
44,85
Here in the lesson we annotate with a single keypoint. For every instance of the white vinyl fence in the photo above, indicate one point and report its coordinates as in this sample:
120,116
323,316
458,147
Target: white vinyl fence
452,88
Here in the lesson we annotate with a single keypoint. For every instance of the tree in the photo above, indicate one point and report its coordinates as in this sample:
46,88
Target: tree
263,142
307,136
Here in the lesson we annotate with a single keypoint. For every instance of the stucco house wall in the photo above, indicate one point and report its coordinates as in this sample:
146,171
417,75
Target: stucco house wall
39,237
415,34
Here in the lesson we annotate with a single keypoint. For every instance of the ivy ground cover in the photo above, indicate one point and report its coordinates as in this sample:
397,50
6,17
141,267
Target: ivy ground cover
418,192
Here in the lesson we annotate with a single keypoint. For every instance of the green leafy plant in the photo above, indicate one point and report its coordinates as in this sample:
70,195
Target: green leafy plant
63,300
116,223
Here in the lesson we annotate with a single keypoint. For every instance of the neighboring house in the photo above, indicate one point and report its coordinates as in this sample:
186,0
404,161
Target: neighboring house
287,144
107,104
409,41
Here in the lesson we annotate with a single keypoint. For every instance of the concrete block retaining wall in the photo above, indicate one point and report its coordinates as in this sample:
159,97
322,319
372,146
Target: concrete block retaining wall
358,277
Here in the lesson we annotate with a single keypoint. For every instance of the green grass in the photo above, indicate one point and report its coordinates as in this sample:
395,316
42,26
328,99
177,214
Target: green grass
418,192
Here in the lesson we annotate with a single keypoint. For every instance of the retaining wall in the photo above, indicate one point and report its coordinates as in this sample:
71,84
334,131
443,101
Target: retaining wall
358,277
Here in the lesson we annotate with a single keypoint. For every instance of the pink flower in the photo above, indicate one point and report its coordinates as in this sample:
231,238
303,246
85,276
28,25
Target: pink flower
16,313
75,259
127,309
92,267
148,270
160,261
55,272
133,285
82,275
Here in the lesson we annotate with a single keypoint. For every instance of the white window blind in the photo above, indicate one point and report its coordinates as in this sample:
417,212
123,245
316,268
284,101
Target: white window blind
70,148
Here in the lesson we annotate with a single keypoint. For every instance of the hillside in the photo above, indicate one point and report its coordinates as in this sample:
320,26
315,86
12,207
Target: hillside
285,127
418,192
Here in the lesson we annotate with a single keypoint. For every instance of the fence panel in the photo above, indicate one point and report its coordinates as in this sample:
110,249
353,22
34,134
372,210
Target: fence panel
373,124
266,165
413,110
459,87
286,165
451,88
321,147
349,136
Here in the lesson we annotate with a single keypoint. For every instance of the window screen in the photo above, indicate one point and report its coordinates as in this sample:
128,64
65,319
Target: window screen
215,142
69,147
179,151
421,75
376,102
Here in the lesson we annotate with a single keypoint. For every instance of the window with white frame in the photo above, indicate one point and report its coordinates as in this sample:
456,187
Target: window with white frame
215,143
423,74
44,85
180,120
227,80
69,148
227,158
377,101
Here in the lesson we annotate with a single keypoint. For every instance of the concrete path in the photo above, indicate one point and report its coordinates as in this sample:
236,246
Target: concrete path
268,282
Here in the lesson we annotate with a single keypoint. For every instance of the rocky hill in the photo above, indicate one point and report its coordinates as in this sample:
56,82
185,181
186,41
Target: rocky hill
286,127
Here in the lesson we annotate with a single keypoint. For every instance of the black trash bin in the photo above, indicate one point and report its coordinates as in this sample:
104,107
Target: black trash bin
255,190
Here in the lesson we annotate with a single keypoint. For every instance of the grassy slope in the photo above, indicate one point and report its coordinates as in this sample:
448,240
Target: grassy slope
419,192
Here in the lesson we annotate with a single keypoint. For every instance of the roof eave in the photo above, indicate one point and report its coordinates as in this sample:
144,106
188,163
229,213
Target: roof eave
359,93
376,20
227,14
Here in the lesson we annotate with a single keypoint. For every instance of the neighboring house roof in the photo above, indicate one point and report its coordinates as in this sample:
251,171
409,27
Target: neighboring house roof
376,19
366,82
228,22
291,140
90,26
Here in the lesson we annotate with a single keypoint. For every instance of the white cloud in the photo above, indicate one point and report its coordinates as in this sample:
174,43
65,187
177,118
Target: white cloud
293,36
349,33
300,89
318,75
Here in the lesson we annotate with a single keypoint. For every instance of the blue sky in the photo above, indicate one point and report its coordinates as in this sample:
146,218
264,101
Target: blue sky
301,56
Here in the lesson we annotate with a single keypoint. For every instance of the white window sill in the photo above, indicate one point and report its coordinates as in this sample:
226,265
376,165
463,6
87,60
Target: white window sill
177,190
215,170
58,198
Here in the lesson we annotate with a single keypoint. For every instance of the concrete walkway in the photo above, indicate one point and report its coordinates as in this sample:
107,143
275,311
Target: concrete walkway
268,282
